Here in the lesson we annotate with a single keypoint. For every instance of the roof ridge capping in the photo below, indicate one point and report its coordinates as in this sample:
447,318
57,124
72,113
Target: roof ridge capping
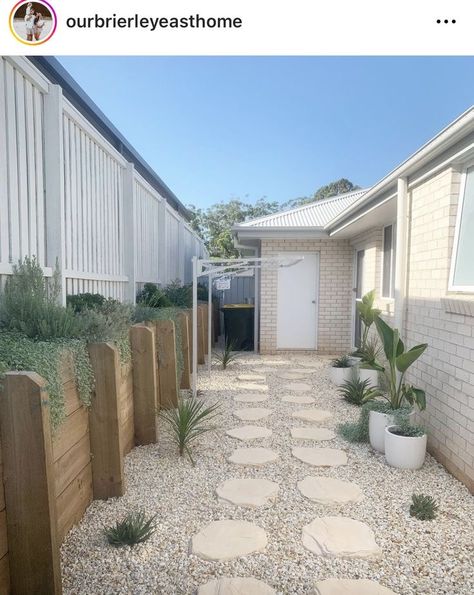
447,136
310,205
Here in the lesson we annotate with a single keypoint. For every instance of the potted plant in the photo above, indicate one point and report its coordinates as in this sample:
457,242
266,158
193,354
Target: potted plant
405,445
398,395
341,370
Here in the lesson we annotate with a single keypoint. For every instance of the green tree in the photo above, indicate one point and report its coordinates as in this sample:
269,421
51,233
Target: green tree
332,189
214,224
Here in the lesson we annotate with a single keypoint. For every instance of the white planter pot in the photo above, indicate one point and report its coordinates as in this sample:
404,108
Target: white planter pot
404,452
377,424
340,375
371,375
354,360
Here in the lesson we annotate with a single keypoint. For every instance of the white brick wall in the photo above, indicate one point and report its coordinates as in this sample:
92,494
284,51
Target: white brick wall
446,370
335,286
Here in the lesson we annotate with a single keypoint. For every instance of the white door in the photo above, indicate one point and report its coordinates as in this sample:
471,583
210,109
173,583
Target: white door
297,299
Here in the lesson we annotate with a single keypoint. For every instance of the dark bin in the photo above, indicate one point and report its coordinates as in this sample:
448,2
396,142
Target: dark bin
238,326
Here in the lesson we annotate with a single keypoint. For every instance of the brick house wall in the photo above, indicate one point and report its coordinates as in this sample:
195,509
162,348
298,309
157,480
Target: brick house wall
446,369
335,293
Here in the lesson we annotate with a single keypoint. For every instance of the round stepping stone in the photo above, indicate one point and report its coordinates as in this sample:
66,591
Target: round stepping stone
236,586
252,414
312,415
320,457
312,434
251,378
224,540
338,586
340,537
248,492
298,387
298,400
252,386
249,432
292,375
328,490
255,457
250,398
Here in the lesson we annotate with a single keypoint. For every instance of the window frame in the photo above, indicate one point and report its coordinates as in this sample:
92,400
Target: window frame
457,229
393,225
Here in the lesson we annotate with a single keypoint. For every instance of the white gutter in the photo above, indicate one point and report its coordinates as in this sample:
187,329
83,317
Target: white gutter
401,254
447,137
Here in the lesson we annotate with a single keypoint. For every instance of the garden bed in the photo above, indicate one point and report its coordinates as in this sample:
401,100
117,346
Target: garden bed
431,557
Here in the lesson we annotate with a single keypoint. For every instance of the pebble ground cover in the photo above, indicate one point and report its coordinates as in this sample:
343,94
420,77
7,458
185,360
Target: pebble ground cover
415,557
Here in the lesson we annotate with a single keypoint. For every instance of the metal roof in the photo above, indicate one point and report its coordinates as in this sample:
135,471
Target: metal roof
57,74
316,214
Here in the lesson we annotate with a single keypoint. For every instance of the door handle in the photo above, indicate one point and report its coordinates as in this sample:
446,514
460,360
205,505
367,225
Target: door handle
313,301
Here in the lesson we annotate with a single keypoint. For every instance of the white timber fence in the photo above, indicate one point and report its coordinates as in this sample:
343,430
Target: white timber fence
70,199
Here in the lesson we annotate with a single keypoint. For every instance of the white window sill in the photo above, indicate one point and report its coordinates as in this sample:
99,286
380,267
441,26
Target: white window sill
458,305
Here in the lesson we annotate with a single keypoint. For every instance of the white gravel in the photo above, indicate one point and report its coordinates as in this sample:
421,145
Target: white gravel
423,558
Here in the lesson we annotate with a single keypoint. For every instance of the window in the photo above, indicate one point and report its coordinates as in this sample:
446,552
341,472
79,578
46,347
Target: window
388,261
462,267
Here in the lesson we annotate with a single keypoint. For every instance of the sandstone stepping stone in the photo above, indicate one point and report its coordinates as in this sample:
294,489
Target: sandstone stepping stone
338,586
298,387
251,378
224,540
250,398
252,414
254,457
252,386
249,432
320,457
236,586
298,400
340,537
312,433
292,375
328,490
312,415
248,492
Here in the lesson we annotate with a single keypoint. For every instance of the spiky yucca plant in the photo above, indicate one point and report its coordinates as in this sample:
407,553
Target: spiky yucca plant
133,529
227,355
358,392
423,507
188,422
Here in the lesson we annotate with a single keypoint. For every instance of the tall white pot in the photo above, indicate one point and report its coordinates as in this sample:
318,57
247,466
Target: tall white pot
340,375
371,375
404,452
377,424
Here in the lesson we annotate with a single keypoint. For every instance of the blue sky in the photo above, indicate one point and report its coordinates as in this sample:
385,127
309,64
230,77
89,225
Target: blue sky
280,127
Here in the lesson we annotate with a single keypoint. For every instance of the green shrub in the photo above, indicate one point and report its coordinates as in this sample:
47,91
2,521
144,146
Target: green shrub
151,295
358,392
133,529
29,304
85,301
423,507
108,322
179,296
188,422
358,431
18,352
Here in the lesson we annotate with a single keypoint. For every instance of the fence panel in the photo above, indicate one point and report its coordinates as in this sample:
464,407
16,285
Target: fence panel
22,199
172,246
147,214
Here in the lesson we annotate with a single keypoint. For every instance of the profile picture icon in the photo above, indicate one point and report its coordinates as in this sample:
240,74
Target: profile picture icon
33,23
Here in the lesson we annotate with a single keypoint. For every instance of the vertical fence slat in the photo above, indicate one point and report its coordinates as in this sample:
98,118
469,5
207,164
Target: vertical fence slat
183,321
29,485
200,338
166,355
142,339
104,419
